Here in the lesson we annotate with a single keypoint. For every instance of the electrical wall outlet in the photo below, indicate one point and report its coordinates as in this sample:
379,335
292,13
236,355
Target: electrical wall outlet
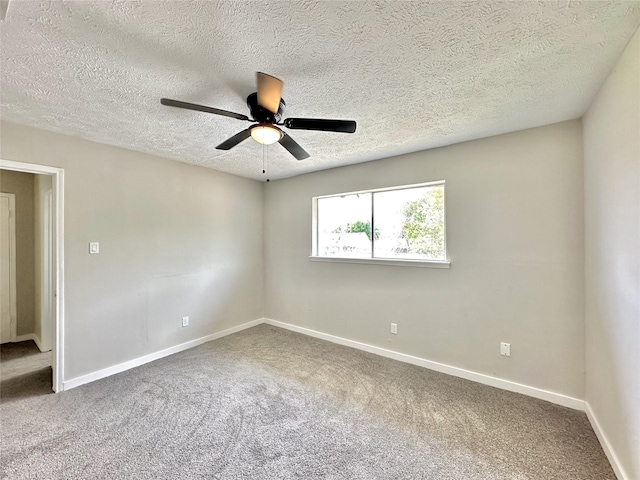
185,321
394,328
94,248
505,349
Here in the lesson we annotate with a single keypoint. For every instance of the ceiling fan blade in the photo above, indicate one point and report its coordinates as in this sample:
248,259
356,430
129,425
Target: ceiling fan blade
345,126
292,146
269,92
235,140
202,108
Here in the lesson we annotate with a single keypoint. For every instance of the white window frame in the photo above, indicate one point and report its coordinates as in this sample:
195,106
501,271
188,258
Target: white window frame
314,257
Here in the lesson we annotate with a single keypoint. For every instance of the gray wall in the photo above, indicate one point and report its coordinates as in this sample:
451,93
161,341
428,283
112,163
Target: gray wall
515,239
612,266
21,185
175,239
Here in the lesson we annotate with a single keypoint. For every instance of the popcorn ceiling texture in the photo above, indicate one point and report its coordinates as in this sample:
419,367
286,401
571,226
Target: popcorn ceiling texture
414,75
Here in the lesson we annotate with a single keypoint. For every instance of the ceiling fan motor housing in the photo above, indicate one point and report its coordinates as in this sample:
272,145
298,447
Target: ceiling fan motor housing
261,114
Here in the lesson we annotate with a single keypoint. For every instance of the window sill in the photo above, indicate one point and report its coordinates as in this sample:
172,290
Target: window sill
382,261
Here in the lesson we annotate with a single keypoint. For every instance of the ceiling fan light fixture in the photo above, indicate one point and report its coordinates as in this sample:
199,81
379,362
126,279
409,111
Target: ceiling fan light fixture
266,134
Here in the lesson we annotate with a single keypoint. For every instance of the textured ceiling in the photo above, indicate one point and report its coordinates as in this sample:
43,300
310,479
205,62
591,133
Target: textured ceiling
414,75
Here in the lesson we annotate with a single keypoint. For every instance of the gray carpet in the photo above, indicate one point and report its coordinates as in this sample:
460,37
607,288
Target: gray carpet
267,403
25,371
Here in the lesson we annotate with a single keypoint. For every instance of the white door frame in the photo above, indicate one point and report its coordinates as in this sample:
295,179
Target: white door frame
57,177
13,314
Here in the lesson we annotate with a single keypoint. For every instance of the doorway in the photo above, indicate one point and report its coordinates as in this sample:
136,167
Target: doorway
49,291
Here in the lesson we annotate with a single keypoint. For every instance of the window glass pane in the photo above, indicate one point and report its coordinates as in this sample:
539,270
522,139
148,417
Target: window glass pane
344,226
409,223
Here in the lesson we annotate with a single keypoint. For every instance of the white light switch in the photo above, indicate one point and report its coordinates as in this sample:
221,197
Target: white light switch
94,248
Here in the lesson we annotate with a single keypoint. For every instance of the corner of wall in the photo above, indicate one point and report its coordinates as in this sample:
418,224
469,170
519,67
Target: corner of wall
611,142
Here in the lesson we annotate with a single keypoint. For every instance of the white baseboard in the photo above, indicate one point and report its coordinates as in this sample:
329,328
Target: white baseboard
31,336
136,362
552,397
549,396
606,446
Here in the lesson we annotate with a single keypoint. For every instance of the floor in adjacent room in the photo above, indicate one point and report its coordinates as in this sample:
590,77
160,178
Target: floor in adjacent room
268,403
25,371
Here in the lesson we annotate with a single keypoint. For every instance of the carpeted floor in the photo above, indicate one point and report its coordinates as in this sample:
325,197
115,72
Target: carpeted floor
267,403
25,371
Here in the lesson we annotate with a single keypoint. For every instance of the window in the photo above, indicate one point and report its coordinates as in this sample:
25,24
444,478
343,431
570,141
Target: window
400,224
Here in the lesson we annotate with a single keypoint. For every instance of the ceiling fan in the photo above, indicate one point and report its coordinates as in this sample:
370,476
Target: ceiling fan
266,107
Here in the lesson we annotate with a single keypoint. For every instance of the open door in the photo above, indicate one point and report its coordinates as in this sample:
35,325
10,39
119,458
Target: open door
7,268
46,277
